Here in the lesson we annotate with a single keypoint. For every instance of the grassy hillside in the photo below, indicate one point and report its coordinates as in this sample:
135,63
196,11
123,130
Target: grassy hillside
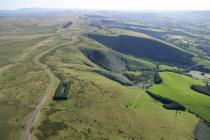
95,100
13,47
167,67
110,60
177,87
119,67
42,52
145,48
116,31
22,81
106,59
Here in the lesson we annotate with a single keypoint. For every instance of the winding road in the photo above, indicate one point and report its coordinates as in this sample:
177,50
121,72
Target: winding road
53,80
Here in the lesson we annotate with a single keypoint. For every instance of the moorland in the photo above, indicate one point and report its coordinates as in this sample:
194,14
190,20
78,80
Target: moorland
110,60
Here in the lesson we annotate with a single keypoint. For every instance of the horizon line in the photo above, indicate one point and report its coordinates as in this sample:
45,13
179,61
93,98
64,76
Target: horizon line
95,9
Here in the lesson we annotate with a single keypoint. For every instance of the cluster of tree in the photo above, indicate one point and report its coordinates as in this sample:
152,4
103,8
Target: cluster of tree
167,103
201,89
62,91
157,78
67,25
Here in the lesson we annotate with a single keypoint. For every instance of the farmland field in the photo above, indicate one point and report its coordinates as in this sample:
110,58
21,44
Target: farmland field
177,87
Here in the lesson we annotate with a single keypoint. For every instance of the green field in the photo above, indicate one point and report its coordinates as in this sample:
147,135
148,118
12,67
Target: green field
95,100
177,87
167,67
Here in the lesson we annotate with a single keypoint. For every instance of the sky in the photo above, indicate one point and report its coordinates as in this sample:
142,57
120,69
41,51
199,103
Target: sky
109,4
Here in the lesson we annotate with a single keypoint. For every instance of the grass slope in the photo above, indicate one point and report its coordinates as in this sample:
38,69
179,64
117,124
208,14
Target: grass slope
22,81
177,87
11,48
100,108
114,61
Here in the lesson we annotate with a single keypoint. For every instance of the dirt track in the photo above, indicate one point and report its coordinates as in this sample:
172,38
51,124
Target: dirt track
53,81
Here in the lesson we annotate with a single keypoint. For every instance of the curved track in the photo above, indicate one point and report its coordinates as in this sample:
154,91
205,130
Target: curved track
52,78
31,122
